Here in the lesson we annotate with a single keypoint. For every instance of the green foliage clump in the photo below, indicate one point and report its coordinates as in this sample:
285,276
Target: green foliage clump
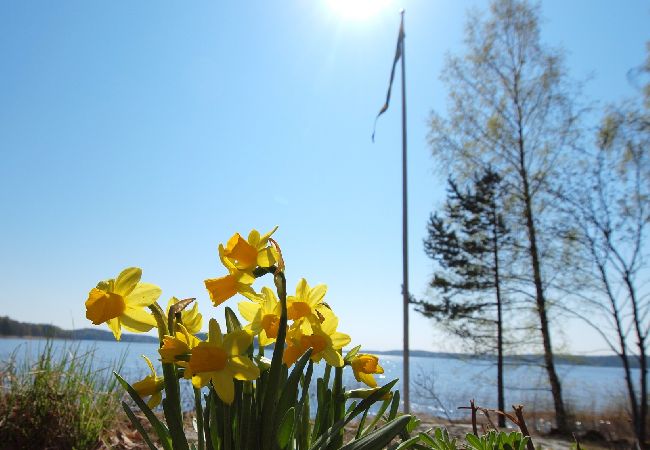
58,401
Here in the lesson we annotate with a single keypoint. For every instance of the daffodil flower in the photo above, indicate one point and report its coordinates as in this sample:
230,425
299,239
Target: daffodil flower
179,345
223,288
120,302
325,341
363,366
263,313
241,257
220,359
247,254
151,385
191,318
306,302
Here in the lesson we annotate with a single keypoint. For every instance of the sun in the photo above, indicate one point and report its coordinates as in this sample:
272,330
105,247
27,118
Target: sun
357,9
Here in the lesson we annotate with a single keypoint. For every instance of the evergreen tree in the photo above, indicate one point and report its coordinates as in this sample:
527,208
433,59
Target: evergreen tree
466,242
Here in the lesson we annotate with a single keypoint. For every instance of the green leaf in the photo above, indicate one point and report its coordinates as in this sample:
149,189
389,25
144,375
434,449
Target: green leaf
232,322
440,440
362,406
362,422
412,425
427,439
285,431
408,443
289,394
379,439
304,435
352,353
138,426
474,441
161,430
377,417
394,407
351,407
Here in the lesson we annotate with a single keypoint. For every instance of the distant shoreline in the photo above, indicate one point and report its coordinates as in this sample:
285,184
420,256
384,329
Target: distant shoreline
518,360
20,330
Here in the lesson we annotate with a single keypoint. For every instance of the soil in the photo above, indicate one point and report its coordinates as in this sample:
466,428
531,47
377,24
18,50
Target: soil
125,437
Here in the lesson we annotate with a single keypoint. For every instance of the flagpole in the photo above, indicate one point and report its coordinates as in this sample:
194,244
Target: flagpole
405,266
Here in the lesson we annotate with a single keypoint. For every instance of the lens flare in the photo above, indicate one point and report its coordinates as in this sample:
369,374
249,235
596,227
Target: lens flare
357,9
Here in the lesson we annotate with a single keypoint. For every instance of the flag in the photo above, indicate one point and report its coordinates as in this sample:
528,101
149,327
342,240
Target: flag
398,55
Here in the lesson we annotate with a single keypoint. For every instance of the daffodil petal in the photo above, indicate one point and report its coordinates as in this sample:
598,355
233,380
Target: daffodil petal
127,280
214,333
172,347
114,325
368,379
333,357
242,368
245,289
339,340
302,290
316,295
137,319
263,339
237,342
248,310
254,238
265,257
147,386
253,296
224,385
192,319
330,324
144,294
201,379
265,238
172,301
155,400
153,371
291,354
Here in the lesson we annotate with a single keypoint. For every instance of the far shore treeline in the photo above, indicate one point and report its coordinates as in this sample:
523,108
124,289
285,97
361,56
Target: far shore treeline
13,328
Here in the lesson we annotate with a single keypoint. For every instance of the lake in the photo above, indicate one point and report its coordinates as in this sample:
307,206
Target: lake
454,381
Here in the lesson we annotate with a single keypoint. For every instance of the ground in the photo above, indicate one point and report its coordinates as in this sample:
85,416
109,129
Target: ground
124,437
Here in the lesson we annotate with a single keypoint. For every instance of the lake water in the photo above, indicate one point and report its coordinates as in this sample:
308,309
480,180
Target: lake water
454,381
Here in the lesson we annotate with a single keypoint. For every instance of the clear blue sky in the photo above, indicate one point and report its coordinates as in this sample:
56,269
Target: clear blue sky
145,133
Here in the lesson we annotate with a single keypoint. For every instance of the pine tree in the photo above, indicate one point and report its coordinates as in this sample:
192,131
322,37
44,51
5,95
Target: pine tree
466,242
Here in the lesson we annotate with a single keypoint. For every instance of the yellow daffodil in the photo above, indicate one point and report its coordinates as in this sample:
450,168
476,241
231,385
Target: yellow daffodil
120,302
363,366
222,288
151,385
220,359
241,257
247,254
263,313
191,318
180,344
325,341
306,302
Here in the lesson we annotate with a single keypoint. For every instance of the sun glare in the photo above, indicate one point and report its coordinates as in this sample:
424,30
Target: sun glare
357,9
